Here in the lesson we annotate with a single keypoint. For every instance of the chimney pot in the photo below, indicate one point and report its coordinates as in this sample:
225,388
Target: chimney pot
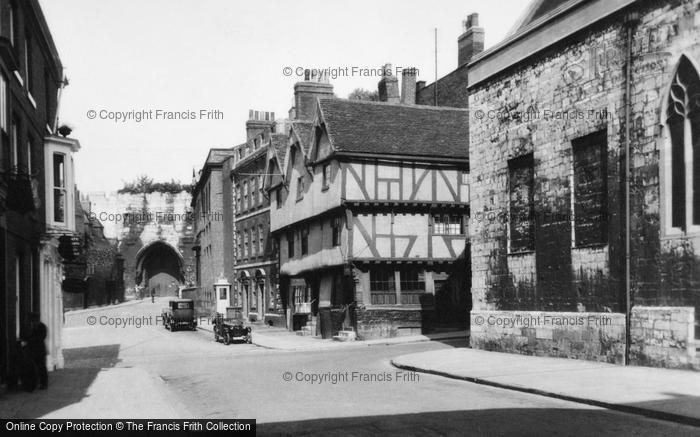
471,41
388,86
408,86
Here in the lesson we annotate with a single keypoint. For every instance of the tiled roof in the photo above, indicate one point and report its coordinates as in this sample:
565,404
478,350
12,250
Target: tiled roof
388,129
303,129
279,142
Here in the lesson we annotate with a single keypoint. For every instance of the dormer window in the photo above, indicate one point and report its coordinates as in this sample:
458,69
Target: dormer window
300,187
326,176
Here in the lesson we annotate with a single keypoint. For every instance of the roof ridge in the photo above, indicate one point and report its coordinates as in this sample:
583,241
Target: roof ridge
394,105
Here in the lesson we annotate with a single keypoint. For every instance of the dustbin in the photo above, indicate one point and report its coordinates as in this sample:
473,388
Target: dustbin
326,319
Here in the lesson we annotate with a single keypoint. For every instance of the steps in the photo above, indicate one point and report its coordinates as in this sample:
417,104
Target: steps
309,329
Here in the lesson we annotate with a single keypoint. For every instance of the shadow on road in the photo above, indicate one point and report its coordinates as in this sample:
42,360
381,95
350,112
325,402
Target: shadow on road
512,421
66,386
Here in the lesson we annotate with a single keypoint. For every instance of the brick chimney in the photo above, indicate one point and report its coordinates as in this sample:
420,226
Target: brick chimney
306,93
259,121
408,86
471,42
389,86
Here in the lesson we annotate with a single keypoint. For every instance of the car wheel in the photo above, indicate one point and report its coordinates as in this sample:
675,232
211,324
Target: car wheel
227,339
216,338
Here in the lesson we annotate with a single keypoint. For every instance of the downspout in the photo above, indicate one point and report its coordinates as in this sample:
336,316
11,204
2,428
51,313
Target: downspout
630,21
64,82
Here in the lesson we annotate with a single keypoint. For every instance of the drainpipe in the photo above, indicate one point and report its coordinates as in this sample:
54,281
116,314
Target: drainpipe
630,21
64,82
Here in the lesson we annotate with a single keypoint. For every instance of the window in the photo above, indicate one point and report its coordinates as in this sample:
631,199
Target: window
246,205
254,192
336,232
412,279
14,144
590,189
261,193
29,156
447,224
412,285
304,240
246,244
4,135
278,197
261,240
300,187
239,198
326,176
240,245
521,204
253,241
28,57
290,245
59,188
683,124
382,285
13,25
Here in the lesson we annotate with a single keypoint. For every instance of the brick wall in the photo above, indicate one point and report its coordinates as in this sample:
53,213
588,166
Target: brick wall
452,91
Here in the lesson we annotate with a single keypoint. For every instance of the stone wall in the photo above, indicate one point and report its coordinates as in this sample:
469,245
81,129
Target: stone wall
663,337
660,336
136,220
386,323
589,336
539,108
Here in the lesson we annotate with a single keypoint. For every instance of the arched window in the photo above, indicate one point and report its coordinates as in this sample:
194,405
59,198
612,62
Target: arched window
683,124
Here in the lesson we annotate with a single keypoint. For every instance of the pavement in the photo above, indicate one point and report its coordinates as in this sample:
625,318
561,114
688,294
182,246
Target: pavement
658,393
282,339
90,394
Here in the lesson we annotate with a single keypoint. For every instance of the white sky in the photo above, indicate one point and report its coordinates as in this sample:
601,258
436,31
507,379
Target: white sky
187,55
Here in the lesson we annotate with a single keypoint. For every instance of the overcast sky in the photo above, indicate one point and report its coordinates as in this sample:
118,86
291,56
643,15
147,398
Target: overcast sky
192,55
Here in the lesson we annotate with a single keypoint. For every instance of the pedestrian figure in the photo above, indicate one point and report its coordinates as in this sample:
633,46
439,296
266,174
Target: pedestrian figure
153,295
36,348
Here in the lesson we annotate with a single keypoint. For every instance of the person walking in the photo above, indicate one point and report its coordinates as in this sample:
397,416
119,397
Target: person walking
36,348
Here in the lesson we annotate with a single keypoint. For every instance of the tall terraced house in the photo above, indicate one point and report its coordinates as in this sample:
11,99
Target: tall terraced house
37,193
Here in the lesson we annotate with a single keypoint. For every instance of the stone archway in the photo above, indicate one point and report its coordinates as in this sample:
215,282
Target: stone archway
159,269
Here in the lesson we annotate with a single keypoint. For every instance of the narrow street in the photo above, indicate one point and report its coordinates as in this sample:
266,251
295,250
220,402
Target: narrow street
204,379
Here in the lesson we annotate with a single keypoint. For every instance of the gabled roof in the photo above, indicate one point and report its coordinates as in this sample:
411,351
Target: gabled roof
304,131
279,145
544,24
534,11
377,128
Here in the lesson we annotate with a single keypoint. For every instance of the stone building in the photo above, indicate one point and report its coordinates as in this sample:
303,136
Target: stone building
153,227
209,214
368,206
576,94
255,290
95,275
36,173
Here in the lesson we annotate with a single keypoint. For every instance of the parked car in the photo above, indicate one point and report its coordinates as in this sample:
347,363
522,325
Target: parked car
229,330
179,314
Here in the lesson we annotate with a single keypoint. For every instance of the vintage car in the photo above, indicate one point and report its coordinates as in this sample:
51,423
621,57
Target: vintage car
229,330
179,314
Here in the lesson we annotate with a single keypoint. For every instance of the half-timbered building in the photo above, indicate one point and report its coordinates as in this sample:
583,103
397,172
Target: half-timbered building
369,207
